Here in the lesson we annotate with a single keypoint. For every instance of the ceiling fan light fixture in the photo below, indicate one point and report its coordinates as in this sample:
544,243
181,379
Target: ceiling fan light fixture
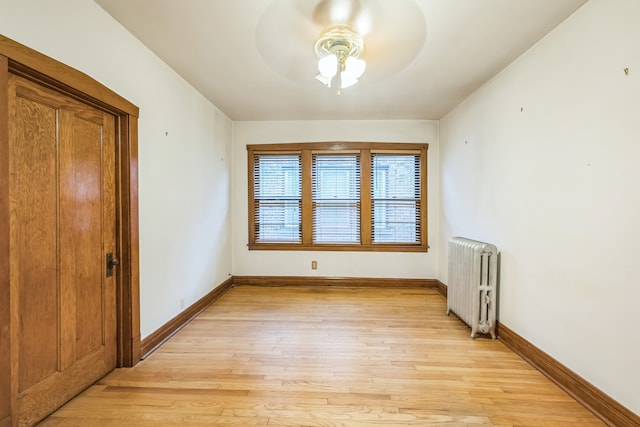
339,50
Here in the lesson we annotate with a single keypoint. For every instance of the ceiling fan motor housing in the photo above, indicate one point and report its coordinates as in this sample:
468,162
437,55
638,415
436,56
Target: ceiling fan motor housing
339,40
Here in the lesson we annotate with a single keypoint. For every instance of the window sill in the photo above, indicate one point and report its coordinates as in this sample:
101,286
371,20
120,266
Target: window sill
337,248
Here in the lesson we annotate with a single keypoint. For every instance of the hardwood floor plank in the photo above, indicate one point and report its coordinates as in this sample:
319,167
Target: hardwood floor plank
330,357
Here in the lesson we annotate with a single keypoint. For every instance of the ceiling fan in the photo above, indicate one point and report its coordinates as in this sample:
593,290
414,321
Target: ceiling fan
335,40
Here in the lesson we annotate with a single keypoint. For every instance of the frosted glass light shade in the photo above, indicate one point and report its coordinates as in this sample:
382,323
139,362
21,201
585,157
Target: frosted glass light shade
354,68
348,80
324,80
328,66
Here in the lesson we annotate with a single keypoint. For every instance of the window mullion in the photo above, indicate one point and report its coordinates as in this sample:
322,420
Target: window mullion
366,213
307,202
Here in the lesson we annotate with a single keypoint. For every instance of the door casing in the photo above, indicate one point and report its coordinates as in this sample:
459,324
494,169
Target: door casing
25,62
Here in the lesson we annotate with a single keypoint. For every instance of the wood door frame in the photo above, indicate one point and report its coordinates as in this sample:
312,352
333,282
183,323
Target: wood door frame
18,59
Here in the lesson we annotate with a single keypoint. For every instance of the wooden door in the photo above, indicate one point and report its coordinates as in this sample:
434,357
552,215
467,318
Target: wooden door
62,226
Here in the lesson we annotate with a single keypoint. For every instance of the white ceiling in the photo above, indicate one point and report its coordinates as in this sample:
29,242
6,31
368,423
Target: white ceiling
255,60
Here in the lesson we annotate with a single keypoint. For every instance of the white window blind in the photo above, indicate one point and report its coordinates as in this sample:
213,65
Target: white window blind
277,198
395,198
336,198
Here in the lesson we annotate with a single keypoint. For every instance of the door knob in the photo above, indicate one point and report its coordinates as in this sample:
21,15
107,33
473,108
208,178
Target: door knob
111,261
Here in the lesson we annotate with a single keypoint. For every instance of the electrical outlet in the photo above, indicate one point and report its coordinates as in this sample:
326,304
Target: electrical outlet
314,265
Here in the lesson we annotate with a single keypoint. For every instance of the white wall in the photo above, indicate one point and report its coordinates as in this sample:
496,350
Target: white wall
544,162
184,148
343,264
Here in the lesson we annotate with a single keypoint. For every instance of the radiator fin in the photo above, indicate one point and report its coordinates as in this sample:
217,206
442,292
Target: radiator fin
472,284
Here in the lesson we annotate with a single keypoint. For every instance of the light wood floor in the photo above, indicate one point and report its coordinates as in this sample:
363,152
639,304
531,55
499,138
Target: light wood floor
295,356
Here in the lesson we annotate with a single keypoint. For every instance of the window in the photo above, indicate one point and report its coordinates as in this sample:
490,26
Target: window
395,197
338,196
335,179
277,198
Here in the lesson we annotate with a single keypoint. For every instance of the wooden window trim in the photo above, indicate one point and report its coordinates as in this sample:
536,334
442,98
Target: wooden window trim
365,149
